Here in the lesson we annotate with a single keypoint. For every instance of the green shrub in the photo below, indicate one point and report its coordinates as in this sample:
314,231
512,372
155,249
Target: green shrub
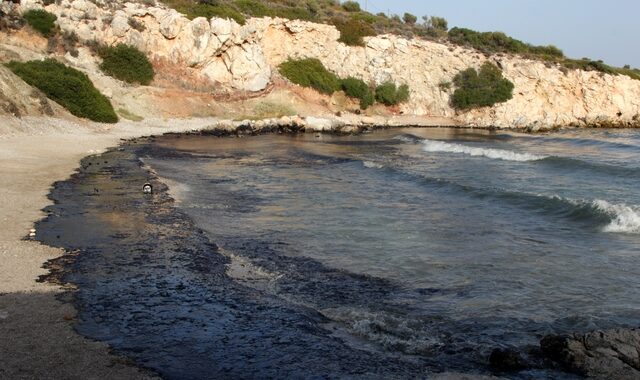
481,89
587,65
42,21
207,8
310,72
351,6
68,87
389,94
498,42
127,64
438,23
410,19
353,30
294,13
253,7
433,26
357,88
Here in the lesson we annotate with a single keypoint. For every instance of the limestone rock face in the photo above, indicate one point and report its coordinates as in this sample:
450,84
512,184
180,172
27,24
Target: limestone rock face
245,57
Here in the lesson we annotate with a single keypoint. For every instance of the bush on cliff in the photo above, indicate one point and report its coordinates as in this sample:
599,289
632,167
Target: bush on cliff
357,88
498,42
68,87
207,8
353,31
41,21
481,89
310,72
126,63
389,94
351,6
259,8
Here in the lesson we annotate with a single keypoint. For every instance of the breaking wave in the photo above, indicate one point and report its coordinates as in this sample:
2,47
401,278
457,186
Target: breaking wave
497,154
624,219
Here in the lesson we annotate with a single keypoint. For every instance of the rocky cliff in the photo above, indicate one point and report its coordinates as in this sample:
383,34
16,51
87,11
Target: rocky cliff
221,53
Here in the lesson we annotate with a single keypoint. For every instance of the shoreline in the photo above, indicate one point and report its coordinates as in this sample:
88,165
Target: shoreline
153,288
38,328
39,340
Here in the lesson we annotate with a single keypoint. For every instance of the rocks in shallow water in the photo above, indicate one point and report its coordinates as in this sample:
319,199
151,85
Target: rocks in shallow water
613,354
507,360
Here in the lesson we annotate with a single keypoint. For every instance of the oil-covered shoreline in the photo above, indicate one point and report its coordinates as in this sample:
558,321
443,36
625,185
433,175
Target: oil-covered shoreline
150,283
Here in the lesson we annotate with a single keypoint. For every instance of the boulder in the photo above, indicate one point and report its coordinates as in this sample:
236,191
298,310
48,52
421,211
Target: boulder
223,28
120,24
613,354
171,24
317,124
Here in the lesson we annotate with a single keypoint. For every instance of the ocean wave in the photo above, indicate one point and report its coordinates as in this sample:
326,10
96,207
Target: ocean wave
603,168
592,213
604,215
507,155
497,154
624,218
372,165
583,142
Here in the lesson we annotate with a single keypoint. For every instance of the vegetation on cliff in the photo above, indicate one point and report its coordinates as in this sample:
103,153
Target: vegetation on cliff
358,89
389,94
126,63
311,72
498,42
41,21
68,87
353,31
349,17
481,89
208,9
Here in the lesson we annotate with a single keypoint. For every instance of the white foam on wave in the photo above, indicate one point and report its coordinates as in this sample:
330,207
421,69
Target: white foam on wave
372,165
496,154
625,219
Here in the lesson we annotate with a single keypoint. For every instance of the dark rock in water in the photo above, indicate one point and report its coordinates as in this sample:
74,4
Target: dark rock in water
507,360
613,354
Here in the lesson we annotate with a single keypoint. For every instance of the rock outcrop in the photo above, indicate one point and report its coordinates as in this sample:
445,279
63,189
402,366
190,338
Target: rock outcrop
613,354
245,57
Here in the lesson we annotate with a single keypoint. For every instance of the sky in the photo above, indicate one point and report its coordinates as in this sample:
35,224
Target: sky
597,29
